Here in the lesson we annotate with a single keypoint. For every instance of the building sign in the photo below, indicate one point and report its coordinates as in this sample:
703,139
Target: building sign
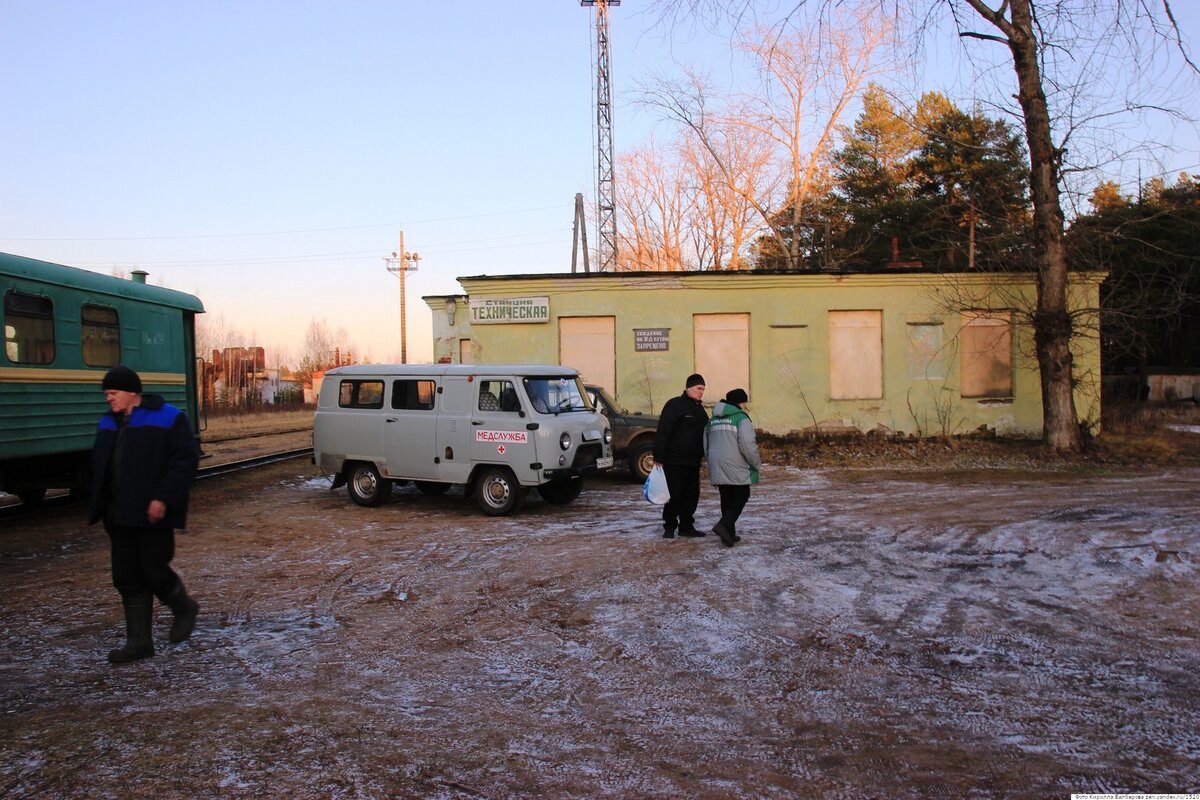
651,339
510,309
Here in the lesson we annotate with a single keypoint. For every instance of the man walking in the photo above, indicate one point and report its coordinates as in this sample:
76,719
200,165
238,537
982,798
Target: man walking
679,447
143,462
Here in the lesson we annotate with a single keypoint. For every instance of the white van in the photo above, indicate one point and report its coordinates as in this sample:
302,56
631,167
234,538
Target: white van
497,429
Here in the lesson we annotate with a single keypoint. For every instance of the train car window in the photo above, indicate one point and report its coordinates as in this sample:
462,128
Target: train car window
360,394
412,395
101,337
28,328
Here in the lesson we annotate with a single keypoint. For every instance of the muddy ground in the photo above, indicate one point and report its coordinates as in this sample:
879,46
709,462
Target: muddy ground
878,634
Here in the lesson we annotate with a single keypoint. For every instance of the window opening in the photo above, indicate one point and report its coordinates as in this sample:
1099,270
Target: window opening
101,336
28,328
360,394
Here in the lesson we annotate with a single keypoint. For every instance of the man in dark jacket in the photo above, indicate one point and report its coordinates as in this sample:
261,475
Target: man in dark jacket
679,447
143,462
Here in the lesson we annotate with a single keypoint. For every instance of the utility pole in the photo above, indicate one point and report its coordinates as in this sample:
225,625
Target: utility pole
402,262
606,201
579,232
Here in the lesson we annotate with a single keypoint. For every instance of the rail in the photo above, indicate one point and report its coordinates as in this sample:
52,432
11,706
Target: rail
16,510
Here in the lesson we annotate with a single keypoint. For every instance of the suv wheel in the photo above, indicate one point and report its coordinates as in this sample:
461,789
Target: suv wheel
641,460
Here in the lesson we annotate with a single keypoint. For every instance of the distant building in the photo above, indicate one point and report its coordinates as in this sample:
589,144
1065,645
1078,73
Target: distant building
231,376
899,350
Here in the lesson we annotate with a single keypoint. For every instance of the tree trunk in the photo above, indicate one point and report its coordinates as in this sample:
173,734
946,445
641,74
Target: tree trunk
1052,320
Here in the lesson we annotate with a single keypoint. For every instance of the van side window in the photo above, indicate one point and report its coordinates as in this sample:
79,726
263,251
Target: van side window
101,336
360,394
412,394
28,329
498,396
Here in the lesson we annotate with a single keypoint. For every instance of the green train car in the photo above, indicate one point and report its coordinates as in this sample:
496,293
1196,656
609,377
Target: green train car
63,329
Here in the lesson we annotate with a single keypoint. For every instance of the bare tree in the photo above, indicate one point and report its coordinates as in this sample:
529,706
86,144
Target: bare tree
654,207
808,80
1072,47
680,212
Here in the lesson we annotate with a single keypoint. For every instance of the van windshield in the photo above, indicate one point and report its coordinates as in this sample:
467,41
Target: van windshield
556,395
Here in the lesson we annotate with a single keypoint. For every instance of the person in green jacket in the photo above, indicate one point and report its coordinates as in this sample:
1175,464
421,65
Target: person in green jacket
733,460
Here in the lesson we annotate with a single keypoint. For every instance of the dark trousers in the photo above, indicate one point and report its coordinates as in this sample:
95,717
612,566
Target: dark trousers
683,482
141,561
733,500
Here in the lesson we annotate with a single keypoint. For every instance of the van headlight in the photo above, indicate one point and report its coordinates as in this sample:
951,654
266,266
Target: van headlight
608,435
564,441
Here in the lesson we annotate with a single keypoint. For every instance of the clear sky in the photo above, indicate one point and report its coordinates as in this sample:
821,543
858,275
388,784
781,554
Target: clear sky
265,155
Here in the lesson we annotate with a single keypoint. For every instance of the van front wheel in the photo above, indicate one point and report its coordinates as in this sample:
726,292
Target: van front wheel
497,492
561,492
366,486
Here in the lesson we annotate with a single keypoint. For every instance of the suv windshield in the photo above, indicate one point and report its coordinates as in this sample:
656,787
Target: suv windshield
601,399
556,395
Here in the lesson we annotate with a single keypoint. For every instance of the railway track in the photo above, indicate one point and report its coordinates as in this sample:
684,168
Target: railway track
15,510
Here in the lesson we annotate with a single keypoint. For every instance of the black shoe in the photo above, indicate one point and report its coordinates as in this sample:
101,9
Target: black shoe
690,533
727,537
668,531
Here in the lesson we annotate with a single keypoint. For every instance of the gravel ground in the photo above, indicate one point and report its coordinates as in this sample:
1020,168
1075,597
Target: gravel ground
879,633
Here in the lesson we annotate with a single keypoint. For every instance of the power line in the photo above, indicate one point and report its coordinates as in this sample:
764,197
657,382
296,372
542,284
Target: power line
279,233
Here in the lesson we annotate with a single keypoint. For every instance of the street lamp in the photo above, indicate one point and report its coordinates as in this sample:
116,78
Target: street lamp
402,262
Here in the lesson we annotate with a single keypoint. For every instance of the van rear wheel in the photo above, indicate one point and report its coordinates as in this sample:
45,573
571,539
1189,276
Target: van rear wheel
366,486
497,492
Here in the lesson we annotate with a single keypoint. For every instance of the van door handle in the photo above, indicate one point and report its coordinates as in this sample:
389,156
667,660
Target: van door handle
477,422
390,419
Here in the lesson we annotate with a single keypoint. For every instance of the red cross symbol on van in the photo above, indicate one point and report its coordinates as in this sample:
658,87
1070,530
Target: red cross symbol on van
501,449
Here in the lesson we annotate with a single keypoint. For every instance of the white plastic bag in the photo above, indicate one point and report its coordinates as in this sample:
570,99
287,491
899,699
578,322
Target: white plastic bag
655,489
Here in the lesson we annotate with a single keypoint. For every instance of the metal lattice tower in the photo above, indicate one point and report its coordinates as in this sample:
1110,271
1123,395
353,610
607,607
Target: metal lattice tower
606,200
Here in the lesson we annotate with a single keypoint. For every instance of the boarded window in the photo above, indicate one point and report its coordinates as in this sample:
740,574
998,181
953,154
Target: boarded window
985,352
723,352
28,328
360,394
589,344
926,351
855,355
101,336
412,394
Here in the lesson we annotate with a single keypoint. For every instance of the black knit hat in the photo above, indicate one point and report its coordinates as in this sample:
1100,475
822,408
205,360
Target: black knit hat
123,379
695,379
736,397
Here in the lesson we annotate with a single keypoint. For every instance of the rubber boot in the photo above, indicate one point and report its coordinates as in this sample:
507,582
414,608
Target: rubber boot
724,533
138,644
185,610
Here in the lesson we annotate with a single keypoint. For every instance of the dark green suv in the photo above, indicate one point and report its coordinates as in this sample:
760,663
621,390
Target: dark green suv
632,433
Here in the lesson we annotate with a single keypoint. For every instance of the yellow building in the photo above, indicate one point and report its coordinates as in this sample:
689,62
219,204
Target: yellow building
897,350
